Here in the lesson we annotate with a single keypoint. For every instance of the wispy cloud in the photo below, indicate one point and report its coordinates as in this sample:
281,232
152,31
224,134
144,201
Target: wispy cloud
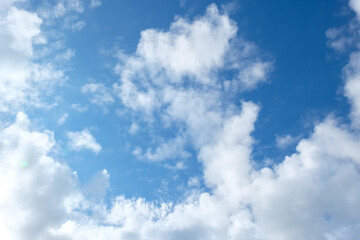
63,119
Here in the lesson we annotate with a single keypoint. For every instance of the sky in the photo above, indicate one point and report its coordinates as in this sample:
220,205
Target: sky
169,120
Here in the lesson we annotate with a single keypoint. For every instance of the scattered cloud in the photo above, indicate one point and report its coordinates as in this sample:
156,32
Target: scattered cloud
83,141
248,203
63,119
285,141
340,39
254,74
171,149
193,182
134,128
78,107
312,194
98,93
24,80
95,3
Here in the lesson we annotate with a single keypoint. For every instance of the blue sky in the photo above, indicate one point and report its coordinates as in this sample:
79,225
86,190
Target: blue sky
179,119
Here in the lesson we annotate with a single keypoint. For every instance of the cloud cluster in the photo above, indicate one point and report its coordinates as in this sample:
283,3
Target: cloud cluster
313,194
23,77
189,53
34,187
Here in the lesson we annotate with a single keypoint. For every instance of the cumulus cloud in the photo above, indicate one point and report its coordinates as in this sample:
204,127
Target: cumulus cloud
165,59
352,76
355,5
22,78
83,140
33,59
312,194
35,187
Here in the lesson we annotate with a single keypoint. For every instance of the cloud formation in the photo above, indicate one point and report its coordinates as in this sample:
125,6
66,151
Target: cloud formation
98,93
313,194
23,78
83,140
34,186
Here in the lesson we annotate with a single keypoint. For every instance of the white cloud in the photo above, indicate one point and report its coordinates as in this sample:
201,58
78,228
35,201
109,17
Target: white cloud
339,39
60,8
26,78
352,86
76,5
95,3
285,141
134,128
355,5
76,26
35,188
78,107
167,58
193,182
63,119
309,192
313,194
64,12
66,55
83,140
170,149
184,50
254,74
98,93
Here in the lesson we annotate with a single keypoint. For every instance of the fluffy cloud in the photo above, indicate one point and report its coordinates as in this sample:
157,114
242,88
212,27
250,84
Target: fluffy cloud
352,75
34,186
83,140
313,194
254,74
24,78
355,5
166,59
